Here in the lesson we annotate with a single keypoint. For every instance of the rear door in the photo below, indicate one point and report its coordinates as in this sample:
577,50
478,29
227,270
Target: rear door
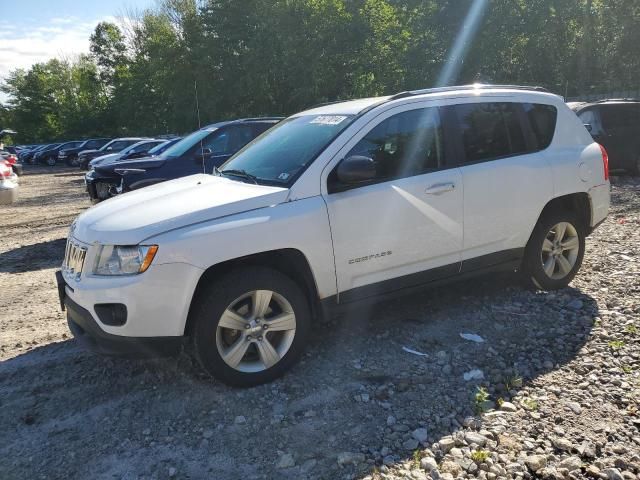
506,180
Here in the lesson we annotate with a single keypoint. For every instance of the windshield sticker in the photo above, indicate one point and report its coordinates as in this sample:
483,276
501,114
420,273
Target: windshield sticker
328,119
283,176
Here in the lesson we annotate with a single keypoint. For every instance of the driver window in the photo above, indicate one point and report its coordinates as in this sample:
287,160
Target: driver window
217,143
407,144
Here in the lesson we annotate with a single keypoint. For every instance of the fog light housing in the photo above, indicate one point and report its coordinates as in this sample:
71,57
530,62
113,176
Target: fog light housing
112,314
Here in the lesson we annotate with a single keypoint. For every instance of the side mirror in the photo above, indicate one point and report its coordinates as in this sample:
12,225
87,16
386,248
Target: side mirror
356,169
109,149
207,152
588,127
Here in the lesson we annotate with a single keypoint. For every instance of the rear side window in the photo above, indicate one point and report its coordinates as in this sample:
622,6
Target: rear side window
592,117
490,130
542,119
620,117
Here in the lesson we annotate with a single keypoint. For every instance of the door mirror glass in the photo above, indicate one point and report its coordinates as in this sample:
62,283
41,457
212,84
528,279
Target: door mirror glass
356,169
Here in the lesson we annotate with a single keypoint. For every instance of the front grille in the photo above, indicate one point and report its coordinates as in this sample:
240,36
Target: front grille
74,257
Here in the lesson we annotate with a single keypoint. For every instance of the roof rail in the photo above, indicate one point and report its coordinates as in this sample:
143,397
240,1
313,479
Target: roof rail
616,100
474,86
254,119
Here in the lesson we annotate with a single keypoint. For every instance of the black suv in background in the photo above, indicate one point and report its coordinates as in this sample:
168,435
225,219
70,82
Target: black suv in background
615,124
49,155
198,152
70,155
114,146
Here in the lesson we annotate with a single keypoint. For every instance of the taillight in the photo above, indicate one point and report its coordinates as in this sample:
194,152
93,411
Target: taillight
605,162
5,169
11,159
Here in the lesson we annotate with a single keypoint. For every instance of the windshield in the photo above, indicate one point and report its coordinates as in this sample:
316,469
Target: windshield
186,143
160,148
118,145
279,156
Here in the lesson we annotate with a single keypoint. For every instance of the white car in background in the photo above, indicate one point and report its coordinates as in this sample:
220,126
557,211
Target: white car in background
331,208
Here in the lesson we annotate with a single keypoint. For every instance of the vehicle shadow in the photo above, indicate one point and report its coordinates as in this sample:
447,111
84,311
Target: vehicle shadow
28,258
355,390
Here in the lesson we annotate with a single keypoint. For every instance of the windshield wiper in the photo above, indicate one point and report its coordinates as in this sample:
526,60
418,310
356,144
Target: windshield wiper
239,173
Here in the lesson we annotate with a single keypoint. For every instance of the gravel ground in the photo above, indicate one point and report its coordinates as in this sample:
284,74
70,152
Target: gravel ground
553,391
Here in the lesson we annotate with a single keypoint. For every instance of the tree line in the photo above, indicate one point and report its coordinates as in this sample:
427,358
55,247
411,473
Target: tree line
191,62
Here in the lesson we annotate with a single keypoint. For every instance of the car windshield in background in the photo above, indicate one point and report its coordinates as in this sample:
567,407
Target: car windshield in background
186,143
119,145
158,148
281,154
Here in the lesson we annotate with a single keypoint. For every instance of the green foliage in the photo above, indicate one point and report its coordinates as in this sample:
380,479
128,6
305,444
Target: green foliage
530,404
480,456
616,344
482,402
265,57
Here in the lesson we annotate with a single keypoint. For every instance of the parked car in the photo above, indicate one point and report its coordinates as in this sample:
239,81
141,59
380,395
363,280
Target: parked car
27,156
136,150
8,184
331,208
114,146
615,124
49,155
70,155
12,160
199,152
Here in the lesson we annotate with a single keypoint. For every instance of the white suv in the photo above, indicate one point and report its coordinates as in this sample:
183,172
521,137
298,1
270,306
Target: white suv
336,205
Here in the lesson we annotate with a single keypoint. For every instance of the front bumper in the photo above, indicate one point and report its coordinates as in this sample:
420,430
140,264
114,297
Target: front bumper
90,335
101,188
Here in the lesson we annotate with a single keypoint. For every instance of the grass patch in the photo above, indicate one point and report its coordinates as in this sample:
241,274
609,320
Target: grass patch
632,329
616,344
530,404
480,456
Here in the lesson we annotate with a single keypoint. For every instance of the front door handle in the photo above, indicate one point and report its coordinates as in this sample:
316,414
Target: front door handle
440,188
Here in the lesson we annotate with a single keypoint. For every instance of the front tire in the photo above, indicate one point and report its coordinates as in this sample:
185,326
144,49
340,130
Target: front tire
51,161
555,250
250,326
72,161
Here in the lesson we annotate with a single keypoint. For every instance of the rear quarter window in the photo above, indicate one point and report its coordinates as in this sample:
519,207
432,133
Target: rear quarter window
542,119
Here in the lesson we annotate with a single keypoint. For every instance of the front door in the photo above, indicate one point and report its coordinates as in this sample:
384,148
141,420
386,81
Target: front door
403,228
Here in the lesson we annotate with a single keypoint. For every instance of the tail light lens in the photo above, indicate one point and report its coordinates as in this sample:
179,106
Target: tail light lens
605,162
5,169
11,159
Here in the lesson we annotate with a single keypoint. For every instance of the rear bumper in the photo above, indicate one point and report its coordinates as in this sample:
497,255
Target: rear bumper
600,198
89,334
8,192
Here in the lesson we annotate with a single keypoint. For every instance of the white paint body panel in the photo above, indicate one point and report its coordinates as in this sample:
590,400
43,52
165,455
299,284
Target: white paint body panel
200,221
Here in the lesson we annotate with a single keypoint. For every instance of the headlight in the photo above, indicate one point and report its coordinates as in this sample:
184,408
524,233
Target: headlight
124,260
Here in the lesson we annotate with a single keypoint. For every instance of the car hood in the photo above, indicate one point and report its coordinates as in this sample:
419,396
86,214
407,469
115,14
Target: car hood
142,163
104,159
87,152
131,218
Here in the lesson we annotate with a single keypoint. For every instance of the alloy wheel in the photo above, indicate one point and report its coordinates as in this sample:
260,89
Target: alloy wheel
560,250
256,331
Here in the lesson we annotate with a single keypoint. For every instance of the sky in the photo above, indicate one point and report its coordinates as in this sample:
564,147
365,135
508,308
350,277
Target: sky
34,31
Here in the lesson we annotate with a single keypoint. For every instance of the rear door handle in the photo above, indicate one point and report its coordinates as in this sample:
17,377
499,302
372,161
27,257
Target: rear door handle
440,188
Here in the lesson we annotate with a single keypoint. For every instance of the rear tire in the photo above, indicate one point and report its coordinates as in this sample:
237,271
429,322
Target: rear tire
250,326
555,250
72,161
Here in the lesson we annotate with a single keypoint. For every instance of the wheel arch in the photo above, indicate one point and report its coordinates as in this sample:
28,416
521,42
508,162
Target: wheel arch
289,261
578,202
